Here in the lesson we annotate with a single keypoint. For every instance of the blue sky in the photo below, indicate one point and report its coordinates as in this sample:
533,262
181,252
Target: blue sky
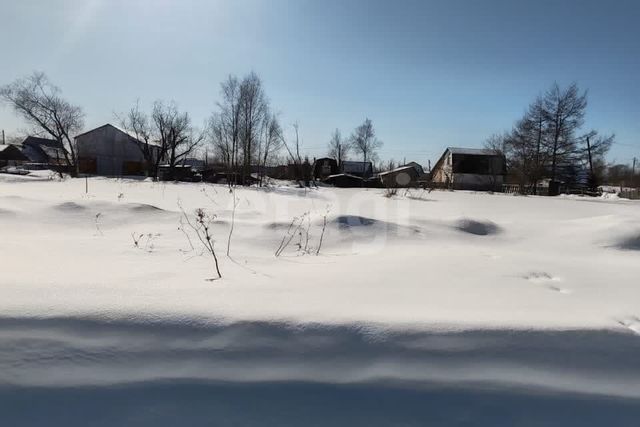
430,74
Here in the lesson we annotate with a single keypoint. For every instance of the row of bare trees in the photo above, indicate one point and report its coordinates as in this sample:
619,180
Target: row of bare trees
166,135
245,132
549,141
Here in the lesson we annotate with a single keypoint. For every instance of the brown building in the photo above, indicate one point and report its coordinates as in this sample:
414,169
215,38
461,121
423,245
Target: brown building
470,169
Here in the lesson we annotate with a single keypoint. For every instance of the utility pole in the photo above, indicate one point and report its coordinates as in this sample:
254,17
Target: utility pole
2,136
633,171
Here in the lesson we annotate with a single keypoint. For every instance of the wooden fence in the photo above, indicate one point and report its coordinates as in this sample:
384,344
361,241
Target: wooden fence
630,193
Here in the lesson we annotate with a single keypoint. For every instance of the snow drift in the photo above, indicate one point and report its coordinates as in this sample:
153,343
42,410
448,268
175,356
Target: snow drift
527,306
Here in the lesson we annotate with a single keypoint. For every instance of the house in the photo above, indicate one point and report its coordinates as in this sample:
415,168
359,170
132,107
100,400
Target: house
324,167
470,169
355,168
111,151
10,155
404,176
44,152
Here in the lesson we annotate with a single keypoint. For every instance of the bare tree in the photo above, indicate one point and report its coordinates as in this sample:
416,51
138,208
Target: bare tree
595,148
364,141
253,111
338,147
242,130
136,122
295,156
40,103
271,142
176,136
227,126
565,110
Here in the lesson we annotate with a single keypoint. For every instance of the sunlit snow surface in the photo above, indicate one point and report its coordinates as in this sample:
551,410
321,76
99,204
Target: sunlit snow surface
433,308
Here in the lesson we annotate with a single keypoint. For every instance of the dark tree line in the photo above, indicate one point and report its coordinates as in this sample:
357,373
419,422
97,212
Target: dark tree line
549,141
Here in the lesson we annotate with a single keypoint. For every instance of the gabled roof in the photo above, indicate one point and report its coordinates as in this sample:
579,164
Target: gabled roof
400,169
11,152
42,150
34,140
474,151
119,129
107,125
351,166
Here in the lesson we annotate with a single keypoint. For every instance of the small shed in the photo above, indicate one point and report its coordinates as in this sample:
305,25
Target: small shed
404,176
183,173
10,155
324,167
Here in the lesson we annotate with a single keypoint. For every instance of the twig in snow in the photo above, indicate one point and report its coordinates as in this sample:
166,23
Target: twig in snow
202,229
136,239
324,227
232,190
181,228
98,223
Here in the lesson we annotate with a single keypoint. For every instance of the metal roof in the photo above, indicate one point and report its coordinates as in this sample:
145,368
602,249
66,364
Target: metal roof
474,151
400,169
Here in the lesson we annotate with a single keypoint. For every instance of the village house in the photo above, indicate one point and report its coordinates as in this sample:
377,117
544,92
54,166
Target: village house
43,152
470,169
324,167
111,151
10,155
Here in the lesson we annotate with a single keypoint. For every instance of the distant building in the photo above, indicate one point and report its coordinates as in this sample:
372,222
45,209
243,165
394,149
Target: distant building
404,176
111,151
355,168
180,172
43,151
418,167
196,164
10,155
324,167
470,169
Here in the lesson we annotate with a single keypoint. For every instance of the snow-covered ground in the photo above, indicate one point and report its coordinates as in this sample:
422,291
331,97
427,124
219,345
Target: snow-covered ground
441,297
